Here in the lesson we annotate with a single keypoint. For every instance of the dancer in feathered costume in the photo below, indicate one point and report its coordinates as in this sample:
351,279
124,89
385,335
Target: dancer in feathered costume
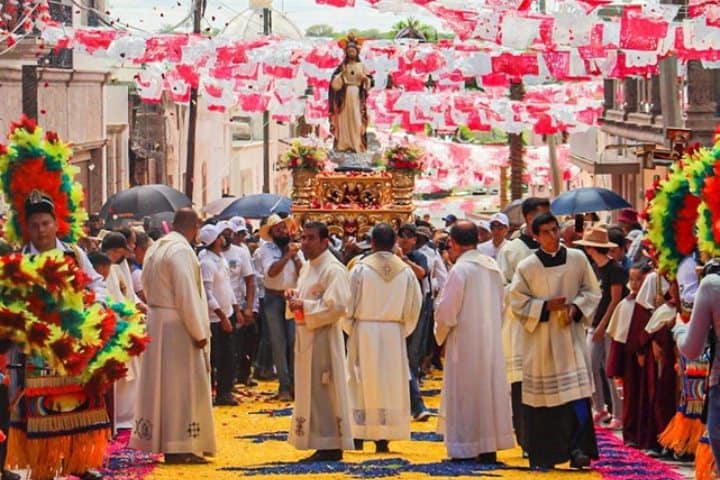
694,337
52,307
673,213
672,208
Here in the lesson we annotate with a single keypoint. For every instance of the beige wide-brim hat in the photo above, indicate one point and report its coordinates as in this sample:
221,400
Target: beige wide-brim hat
273,220
596,237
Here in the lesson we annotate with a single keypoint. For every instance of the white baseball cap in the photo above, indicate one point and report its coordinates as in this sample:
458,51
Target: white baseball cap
484,224
500,218
209,233
223,225
238,224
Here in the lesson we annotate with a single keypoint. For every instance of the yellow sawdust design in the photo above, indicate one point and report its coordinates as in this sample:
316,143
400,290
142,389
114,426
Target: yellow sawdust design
232,422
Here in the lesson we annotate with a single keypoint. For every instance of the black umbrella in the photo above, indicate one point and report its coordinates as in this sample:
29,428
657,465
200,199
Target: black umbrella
587,199
143,201
256,206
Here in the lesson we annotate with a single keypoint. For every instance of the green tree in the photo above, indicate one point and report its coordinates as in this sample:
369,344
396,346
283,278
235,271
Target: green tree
320,30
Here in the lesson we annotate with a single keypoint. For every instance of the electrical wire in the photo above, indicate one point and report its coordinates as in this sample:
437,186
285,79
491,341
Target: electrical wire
102,18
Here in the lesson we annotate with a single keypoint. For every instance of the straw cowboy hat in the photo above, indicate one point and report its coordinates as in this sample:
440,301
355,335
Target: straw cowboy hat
596,237
273,220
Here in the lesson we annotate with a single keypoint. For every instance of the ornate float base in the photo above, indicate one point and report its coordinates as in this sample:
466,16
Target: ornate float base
351,202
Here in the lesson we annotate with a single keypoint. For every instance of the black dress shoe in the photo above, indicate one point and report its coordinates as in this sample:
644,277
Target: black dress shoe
8,475
324,456
226,400
382,446
184,459
578,459
463,460
489,458
359,444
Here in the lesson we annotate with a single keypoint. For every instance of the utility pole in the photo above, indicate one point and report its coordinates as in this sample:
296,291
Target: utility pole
515,141
30,82
198,11
267,30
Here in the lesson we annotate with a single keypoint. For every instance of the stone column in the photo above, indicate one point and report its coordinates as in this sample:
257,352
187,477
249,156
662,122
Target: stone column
701,103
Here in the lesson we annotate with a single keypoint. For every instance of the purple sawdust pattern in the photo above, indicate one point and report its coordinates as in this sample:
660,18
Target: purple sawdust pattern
377,468
618,462
124,463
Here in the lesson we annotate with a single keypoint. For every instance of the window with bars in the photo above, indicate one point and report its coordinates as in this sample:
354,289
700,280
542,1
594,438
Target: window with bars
61,12
58,58
93,19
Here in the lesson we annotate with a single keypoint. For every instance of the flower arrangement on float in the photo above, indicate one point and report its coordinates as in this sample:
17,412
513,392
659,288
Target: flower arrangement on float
404,158
304,156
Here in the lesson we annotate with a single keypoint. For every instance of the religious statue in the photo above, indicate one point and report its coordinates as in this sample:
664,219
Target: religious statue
347,97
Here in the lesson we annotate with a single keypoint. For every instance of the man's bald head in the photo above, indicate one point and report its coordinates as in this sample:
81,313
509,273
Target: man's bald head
464,233
186,223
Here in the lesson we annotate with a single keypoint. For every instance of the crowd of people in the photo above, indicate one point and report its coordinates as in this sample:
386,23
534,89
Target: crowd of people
543,333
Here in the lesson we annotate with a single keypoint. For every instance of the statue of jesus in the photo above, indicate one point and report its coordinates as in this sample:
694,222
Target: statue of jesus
347,99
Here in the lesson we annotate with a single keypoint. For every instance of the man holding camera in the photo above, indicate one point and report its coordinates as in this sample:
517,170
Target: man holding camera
281,263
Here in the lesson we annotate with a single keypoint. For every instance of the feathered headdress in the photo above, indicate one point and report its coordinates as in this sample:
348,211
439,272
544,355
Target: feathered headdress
36,175
350,41
707,183
672,214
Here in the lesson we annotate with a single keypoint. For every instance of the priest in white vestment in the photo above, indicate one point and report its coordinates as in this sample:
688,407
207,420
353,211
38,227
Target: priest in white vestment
384,309
475,413
120,288
553,295
321,417
508,259
174,411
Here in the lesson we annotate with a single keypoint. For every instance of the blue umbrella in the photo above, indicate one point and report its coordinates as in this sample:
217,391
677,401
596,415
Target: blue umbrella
587,199
256,206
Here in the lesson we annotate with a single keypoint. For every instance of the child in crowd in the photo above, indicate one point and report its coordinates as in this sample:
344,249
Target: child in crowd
618,330
101,263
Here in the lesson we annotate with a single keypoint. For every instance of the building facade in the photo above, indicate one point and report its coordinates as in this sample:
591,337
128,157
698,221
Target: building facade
74,95
647,122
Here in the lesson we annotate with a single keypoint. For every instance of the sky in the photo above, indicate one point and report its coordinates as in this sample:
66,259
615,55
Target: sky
151,15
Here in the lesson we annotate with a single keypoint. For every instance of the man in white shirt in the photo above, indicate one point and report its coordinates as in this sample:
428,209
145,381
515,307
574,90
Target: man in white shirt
119,286
281,262
483,231
499,225
42,228
222,310
242,278
142,244
263,366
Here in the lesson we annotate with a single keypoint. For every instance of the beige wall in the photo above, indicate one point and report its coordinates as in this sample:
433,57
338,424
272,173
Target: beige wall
73,103
246,165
